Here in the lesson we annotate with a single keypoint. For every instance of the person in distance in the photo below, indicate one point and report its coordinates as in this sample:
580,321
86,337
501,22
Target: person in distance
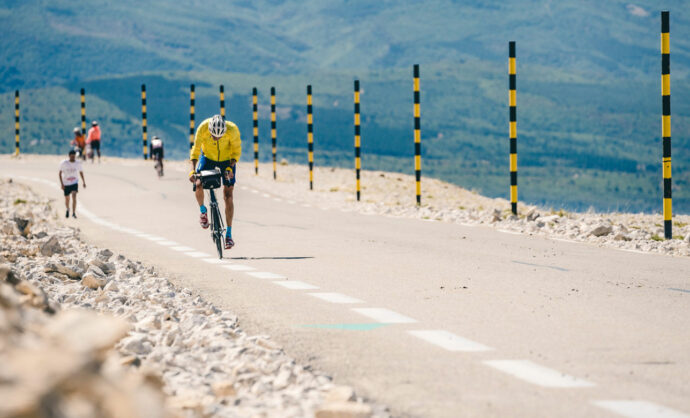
79,142
94,139
70,170
157,151
217,143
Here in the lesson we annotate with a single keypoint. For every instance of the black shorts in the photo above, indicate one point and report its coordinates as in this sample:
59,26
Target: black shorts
96,145
157,153
71,188
206,164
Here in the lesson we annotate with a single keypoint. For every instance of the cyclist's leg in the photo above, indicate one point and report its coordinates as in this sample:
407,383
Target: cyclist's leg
229,187
199,193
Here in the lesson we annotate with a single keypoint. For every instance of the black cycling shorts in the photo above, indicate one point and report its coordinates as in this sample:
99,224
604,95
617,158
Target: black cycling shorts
206,164
96,145
71,188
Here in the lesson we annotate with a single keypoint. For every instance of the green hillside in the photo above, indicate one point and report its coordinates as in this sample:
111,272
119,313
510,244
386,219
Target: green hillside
588,85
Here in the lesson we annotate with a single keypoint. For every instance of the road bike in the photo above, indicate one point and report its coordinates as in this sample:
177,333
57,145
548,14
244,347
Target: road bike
159,167
211,180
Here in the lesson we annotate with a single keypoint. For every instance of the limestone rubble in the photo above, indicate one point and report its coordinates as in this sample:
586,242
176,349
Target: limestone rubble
85,332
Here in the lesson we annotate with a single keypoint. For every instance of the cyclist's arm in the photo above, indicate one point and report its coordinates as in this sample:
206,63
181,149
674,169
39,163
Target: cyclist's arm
235,145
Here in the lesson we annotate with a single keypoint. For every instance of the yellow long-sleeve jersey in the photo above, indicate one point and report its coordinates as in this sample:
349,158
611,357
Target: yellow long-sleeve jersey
228,147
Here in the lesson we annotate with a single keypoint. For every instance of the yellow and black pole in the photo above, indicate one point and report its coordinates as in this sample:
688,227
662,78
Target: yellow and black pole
417,137
255,116
143,121
16,122
358,161
222,101
513,127
83,112
191,116
273,129
310,138
666,121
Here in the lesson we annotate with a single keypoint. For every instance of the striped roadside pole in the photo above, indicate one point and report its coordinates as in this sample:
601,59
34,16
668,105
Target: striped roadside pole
222,101
666,121
255,116
417,137
358,161
83,112
16,122
273,129
143,121
513,127
310,138
191,116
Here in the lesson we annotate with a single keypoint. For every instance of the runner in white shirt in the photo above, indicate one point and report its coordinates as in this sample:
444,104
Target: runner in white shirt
70,170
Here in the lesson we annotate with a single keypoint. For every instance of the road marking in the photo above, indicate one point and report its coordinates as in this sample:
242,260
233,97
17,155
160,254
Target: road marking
255,191
277,199
243,187
306,205
167,243
639,409
266,195
347,327
182,248
385,316
295,285
238,267
214,260
335,298
266,275
292,202
539,375
449,341
141,235
155,238
197,254
679,290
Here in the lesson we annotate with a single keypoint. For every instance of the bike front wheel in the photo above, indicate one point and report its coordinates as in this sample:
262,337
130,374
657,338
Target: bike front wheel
217,231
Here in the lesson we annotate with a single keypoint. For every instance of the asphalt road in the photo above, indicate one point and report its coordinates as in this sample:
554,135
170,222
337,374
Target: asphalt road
442,320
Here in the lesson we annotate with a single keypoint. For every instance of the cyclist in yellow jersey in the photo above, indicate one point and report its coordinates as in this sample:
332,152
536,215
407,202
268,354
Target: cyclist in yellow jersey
217,143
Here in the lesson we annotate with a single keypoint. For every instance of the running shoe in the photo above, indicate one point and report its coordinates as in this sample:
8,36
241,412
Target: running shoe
203,220
74,215
67,214
229,243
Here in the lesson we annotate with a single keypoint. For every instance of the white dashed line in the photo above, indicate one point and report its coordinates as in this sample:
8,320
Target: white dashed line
214,260
266,275
292,202
449,341
336,298
238,267
639,409
385,316
266,195
306,206
277,199
182,248
296,285
255,191
155,238
539,375
167,243
243,187
197,254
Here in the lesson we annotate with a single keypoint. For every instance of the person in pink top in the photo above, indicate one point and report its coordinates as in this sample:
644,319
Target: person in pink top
94,139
